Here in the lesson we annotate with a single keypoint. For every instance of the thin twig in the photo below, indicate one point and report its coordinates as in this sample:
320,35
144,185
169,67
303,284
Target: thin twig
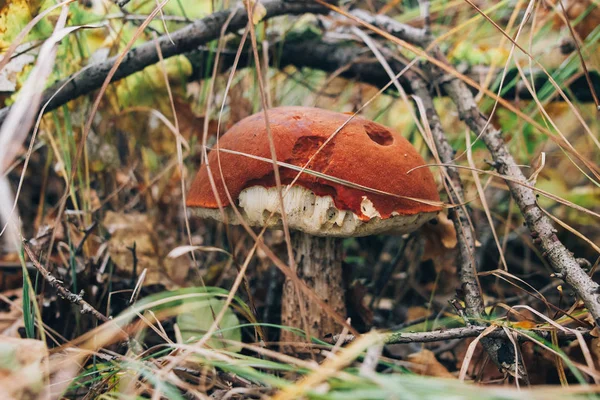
133,250
66,294
463,333
86,235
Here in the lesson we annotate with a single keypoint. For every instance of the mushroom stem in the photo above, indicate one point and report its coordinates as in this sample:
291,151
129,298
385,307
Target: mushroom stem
319,264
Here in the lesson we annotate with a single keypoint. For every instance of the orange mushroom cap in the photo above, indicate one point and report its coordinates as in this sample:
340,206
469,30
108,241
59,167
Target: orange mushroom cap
363,152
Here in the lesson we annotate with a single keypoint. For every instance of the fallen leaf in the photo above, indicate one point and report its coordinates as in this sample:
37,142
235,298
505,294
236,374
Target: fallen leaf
190,123
23,368
417,312
489,372
14,15
440,243
197,319
524,324
135,228
426,364
11,316
441,232
576,9
240,106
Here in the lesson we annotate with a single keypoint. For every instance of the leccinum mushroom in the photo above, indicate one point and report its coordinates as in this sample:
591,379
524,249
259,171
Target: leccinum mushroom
320,208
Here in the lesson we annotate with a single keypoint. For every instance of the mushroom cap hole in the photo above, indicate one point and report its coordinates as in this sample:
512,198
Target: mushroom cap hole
379,134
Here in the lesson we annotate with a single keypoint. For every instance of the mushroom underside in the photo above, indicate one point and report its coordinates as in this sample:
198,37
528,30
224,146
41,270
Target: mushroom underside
313,214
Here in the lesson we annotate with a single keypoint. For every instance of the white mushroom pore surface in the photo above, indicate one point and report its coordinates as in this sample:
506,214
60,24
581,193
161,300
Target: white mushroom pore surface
316,215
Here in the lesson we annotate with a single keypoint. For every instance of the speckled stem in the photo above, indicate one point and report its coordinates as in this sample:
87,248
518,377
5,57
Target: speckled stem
319,264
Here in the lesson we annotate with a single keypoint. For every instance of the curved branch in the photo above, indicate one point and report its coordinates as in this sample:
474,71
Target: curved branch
315,54
540,226
179,42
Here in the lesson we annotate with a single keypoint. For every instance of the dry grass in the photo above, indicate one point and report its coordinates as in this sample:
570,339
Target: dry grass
100,196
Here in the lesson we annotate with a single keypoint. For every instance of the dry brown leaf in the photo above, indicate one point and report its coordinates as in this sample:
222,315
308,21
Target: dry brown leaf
574,352
23,368
541,364
358,299
440,234
11,316
190,123
93,199
417,312
525,324
440,244
595,350
127,229
240,107
427,364
11,275
479,359
258,11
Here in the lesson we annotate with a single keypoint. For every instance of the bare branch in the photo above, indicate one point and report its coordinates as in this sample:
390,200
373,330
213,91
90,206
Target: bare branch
314,54
463,333
500,350
470,331
560,258
63,292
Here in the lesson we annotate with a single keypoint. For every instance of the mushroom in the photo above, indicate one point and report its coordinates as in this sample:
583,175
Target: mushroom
357,184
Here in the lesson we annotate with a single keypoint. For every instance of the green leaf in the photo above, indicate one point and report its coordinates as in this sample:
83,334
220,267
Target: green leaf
196,321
